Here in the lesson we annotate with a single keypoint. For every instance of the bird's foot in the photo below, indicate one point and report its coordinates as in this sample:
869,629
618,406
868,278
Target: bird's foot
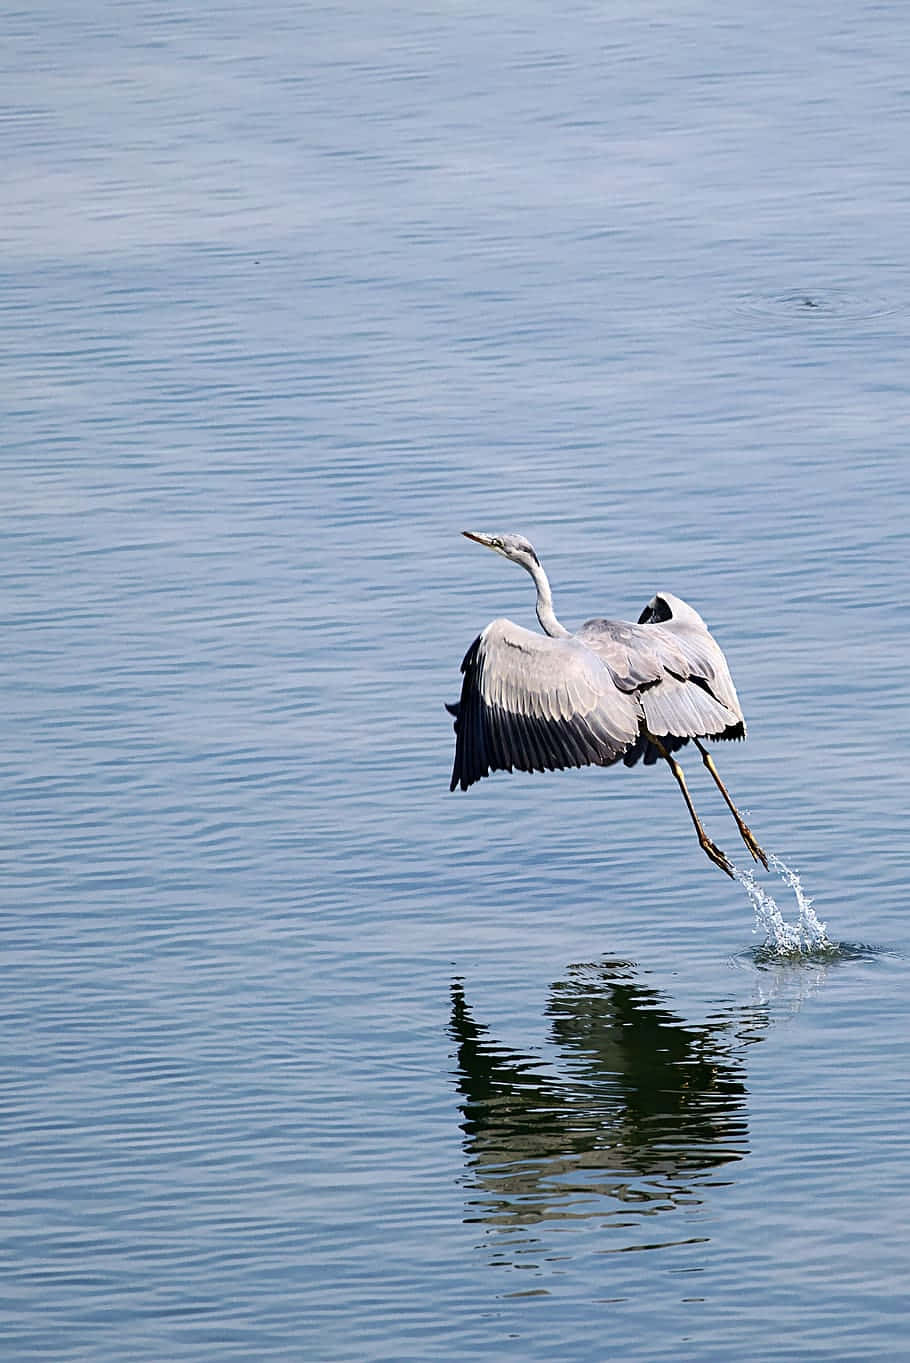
748,838
717,856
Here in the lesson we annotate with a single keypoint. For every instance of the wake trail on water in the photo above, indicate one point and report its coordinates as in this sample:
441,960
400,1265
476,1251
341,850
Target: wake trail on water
807,934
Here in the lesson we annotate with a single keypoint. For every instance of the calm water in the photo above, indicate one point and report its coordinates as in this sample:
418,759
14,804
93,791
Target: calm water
302,1056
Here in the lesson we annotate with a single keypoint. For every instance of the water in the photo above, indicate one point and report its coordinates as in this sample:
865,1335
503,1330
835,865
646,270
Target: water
302,1056
806,935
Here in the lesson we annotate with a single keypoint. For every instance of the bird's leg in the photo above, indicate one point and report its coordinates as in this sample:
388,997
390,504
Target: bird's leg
745,831
714,852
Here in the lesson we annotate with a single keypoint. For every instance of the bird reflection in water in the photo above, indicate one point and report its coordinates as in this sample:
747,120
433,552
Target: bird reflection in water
643,1112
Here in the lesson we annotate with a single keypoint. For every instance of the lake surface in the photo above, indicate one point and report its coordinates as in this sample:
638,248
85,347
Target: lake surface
303,1056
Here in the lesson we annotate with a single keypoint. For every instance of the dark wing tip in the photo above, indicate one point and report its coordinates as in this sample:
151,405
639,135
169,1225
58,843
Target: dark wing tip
735,731
656,612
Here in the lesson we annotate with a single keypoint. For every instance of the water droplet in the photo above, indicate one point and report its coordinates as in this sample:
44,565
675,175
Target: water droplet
807,934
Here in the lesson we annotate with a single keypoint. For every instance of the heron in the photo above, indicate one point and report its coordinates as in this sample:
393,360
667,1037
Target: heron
611,691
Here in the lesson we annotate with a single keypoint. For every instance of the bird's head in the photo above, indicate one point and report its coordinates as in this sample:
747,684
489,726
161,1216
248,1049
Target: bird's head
515,547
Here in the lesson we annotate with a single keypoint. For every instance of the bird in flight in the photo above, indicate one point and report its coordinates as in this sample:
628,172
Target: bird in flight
611,691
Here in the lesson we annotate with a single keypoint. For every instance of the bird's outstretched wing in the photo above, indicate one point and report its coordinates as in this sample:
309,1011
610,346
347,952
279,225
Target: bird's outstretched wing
533,703
677,670
673,622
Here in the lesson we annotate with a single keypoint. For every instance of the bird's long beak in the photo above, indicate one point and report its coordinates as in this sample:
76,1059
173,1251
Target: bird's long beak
478,538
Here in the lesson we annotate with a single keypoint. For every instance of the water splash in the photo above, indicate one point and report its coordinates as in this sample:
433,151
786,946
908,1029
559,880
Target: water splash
787,939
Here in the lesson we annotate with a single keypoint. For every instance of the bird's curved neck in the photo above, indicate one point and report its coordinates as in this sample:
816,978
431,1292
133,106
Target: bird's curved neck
545,613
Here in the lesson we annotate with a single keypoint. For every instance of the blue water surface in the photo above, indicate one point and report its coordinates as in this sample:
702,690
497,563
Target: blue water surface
302,1056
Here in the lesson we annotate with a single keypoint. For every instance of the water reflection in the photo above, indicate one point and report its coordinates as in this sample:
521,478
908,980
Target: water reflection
638,1112
787,982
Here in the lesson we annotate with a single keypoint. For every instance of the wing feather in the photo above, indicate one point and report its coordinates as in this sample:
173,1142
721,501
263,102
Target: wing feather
533,703
678,671
678,626
684,710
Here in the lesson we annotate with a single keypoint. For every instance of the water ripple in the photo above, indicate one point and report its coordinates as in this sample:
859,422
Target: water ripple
825,306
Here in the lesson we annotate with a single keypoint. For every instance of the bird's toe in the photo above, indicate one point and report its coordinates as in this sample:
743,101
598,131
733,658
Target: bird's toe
718,857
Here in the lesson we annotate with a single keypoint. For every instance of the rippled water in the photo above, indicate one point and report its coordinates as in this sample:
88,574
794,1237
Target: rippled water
303,1056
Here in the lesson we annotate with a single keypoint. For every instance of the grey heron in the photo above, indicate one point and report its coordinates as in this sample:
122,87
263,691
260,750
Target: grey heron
612,690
